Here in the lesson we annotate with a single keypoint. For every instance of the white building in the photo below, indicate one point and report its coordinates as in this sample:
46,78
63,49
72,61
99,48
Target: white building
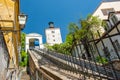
109,10
53,35
105,7
30,41
113,30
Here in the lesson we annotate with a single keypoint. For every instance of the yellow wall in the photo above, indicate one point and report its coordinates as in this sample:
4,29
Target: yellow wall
9,11
6,12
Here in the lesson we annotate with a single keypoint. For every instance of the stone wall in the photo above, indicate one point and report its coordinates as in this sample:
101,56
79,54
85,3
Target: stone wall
115,63
4,58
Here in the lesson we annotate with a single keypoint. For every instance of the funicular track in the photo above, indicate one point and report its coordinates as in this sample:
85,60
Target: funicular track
82,69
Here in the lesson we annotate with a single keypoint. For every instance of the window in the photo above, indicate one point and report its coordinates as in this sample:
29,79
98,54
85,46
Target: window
117,45
52,31
107,10
107,25
114,19
53,35
54,40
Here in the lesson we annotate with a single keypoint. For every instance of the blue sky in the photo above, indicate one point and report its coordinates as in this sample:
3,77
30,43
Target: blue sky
61,12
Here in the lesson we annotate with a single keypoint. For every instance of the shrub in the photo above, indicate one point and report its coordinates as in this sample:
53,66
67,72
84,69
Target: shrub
24,59
102,60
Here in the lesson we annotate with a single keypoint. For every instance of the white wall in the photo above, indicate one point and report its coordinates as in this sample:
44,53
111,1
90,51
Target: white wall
98,12
108,44
57,36
104,5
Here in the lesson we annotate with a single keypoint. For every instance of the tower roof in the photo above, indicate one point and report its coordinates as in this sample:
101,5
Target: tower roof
51,24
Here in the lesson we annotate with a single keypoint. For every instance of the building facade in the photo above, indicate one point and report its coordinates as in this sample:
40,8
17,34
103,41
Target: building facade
9,26
111,46
53,35
109,11
105,7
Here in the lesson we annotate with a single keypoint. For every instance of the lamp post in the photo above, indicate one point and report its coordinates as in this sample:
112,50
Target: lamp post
22,20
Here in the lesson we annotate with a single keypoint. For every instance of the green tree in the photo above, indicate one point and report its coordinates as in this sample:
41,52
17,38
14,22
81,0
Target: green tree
91,24
102,60
56,47
74,31
24,56
24,59
83,33
69,39
48,46
23,35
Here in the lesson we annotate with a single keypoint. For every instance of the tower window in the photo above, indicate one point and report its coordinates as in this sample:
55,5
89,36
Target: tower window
52,31
54,40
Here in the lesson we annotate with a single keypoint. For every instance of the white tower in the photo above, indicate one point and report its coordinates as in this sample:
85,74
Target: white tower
53,35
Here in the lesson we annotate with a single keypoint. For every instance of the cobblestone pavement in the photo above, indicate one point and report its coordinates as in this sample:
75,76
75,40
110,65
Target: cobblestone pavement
25,76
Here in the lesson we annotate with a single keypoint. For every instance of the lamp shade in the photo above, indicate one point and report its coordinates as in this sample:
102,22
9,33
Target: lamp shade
22,20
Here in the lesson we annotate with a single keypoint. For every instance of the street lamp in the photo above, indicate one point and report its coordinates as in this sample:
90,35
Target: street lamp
22,20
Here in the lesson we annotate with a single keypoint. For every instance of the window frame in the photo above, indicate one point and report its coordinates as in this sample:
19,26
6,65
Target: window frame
52,31
106,11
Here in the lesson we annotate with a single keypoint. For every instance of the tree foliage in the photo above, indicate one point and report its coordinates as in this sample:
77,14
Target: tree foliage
24,59
102,60
91,24
48,46
23,35
24,56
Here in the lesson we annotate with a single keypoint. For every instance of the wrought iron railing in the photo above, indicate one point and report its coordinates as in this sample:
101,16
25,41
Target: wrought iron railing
85,68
